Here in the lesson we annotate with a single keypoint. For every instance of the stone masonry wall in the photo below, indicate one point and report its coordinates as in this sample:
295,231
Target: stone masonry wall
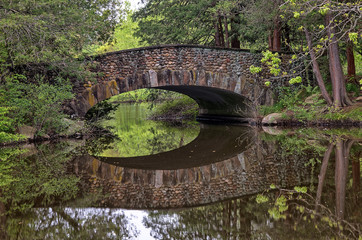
133,69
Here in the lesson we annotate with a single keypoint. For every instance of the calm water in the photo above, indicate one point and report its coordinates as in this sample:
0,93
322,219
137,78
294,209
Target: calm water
184,181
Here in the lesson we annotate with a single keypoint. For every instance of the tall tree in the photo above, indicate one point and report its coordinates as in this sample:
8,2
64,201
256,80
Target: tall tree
340,18
188,22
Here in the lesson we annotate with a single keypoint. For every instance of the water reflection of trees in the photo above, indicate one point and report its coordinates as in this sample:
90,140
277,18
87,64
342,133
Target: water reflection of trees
70,223
38,176
330,210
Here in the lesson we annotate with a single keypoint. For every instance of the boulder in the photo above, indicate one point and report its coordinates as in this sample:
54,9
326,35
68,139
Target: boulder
272,119
313,98
27,131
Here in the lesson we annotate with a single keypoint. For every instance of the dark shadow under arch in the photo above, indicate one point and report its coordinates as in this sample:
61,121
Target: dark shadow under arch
216,104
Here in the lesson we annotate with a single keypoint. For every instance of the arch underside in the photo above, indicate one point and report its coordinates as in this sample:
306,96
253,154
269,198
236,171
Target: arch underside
216,104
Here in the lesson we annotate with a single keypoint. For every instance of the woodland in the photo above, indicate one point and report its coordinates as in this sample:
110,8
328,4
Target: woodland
59,35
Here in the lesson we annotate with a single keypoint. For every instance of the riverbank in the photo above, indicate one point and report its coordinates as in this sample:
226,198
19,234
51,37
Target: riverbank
315,115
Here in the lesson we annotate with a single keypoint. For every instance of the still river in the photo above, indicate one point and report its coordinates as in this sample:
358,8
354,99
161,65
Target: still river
156,180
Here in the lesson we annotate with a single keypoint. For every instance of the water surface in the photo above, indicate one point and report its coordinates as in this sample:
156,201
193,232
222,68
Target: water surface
184,182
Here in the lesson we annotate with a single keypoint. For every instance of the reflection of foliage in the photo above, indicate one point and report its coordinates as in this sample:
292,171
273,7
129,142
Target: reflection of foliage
182,107
224,220
100,111
278,213
138,136
301,211
102,140
300,142
37,179
69,223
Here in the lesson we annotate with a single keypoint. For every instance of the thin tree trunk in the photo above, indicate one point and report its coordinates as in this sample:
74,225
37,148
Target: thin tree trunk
340,179
227,43
217,34
351,66
340,98
316,69
322,174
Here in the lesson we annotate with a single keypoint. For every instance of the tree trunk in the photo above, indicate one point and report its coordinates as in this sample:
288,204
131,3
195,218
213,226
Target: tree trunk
217,34
316,69
340,98
342,153
322,174
221,34
287,37
351,66
340,179
227,43
276,35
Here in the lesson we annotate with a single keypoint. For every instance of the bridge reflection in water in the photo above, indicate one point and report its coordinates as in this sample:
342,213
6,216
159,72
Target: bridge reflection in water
206,170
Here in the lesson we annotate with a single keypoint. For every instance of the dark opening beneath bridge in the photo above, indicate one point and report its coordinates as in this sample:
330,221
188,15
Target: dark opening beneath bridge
216,104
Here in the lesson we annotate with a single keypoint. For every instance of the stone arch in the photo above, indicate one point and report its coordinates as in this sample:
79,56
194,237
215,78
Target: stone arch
174,65
215,99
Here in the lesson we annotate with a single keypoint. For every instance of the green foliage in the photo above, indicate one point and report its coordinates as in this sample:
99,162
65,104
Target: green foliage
300,189
261,198
52,30
167,22
35,104
122,38
7,127
254,69
182,107
272,60
340,114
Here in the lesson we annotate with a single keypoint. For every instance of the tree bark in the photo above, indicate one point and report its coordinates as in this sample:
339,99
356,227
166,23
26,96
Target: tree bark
342,153
217,34
340,98
351,66
276,35
316,69
322,174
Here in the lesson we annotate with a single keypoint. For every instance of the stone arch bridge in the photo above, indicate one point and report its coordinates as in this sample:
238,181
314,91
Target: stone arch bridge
218,79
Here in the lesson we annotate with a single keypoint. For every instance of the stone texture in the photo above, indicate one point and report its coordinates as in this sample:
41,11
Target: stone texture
133,69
